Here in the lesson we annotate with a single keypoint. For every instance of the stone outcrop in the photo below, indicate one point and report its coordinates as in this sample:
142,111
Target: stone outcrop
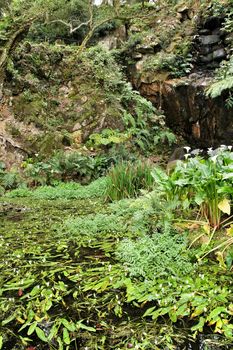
201,120
210,43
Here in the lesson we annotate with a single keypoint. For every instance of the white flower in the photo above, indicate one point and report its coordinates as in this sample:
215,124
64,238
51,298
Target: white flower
214,158
187,148
197,151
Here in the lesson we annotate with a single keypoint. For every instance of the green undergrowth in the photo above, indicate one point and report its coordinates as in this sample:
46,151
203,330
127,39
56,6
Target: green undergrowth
128,217
70,190
157,256
83,100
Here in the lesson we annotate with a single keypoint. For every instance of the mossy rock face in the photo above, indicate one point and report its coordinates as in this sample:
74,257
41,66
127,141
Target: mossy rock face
49,143
53,89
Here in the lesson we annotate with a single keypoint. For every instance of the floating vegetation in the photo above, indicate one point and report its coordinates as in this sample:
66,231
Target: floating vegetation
63,286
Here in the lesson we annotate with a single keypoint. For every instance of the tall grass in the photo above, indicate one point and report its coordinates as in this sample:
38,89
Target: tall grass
126,179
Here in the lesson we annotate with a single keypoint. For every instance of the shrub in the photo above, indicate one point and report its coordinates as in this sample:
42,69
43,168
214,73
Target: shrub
71,166
126,179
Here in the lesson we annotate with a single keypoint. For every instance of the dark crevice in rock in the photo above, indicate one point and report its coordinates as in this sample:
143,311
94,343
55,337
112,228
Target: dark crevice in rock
210,44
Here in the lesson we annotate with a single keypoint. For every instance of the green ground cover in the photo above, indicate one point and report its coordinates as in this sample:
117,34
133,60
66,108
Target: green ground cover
78,272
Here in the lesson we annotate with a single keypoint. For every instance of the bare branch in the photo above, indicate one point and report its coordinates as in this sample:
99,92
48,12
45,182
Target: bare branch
80,25
70,25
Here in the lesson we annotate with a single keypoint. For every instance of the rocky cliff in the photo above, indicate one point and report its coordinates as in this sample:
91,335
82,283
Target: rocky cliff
175,74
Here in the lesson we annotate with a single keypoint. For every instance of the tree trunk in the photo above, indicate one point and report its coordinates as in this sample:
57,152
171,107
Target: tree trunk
90,34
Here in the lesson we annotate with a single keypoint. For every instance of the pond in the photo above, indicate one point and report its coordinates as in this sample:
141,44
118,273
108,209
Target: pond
57,290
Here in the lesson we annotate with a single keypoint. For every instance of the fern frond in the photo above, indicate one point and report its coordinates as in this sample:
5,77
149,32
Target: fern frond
218,87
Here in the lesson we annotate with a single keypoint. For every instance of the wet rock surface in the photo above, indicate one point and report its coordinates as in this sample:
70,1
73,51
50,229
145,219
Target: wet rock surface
201,120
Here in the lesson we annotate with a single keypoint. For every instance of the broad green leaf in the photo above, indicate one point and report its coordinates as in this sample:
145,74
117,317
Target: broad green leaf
47,293
81,325
199,198
219,325
66,336
216,312
53,332
183,310
186,297
149,312
229,260
1,342
68,325
8,319
41,335
31,315
32,328
60,343
200,309
35,291
160,312
199,326
228,176
48,305
62,286
173,316
227,330
225,206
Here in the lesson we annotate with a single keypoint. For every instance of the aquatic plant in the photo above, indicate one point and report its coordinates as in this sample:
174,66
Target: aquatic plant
206,183
155,256
126,179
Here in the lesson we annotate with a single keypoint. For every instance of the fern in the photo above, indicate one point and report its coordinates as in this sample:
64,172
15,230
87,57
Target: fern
218,87
223,80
